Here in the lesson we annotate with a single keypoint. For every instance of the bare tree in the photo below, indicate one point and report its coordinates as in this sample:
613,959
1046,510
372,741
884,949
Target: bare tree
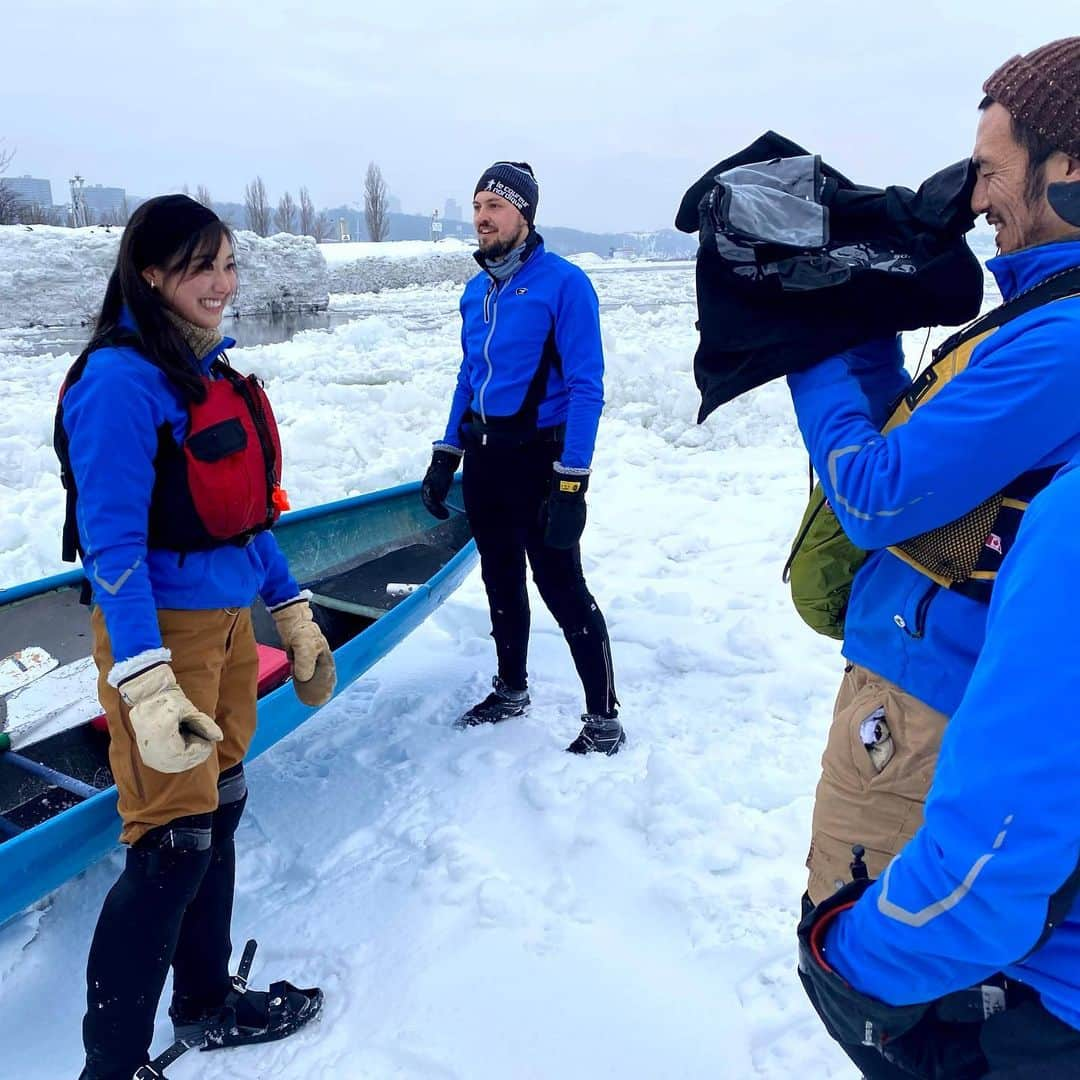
202,194
9,202
307,214
39,214
376,210
285,214
324,227
9,205
257,207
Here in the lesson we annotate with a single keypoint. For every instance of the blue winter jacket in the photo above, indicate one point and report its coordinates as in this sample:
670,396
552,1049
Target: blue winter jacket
504,327
969,894
1012,410
111,416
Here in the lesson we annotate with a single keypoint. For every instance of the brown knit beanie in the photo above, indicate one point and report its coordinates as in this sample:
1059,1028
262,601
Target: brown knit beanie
1042,90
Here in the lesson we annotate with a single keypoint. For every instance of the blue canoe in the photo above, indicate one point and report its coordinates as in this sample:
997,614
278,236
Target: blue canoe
346,553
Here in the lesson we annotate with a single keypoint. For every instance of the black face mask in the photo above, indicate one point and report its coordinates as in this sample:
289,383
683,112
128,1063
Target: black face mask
1064,198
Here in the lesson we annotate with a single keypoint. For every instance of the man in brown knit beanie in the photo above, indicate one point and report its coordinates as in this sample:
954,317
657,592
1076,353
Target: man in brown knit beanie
947,947
1027,151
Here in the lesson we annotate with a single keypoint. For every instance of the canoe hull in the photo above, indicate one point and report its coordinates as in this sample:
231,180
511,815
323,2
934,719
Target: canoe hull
42,858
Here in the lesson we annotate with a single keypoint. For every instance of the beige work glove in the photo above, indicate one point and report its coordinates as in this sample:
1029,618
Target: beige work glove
171,733
313,670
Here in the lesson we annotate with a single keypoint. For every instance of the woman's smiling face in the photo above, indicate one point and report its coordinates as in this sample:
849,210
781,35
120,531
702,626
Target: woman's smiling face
200,293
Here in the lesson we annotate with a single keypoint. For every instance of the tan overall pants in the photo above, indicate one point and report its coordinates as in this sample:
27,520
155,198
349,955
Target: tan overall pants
857,804
216,663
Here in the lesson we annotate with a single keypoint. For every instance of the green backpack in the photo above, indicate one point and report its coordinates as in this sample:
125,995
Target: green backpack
821,568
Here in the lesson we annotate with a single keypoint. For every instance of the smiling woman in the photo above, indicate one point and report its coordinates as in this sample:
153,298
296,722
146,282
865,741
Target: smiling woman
172,465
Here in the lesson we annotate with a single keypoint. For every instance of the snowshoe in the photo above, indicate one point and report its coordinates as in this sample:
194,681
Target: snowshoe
599,735
501,704
248,1016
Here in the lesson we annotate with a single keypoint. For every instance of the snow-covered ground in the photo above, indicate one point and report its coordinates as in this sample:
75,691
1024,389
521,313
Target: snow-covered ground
480,905
50,276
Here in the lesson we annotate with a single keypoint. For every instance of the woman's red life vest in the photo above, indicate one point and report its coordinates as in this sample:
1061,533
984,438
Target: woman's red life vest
220,485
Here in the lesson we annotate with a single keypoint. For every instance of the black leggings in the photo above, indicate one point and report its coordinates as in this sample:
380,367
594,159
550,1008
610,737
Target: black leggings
506,489
172,904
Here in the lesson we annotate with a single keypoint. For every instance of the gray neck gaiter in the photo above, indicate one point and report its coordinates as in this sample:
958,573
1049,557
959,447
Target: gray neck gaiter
506,268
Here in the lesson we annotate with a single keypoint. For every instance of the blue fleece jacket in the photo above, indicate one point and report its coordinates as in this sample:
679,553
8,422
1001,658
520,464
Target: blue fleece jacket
111,416
504,327
969,894
1012,410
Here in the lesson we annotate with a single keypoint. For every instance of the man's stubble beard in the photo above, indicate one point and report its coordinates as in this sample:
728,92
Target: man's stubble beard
501,248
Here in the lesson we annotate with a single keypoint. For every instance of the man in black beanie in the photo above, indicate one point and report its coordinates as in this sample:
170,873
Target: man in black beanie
524,416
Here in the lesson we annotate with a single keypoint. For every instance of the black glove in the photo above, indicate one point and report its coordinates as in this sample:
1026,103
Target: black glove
928,1040
437,481
851,1018
566,510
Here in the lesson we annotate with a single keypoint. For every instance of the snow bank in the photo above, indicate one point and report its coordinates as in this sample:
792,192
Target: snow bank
279,273
370,268
337,254
51,276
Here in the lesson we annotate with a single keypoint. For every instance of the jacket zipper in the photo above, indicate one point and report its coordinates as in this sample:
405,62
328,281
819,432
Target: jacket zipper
922,609
493,311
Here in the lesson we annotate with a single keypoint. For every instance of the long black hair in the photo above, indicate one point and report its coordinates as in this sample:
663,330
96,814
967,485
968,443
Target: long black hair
172,232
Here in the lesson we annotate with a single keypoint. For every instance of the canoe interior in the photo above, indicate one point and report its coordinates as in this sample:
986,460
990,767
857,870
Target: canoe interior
345,556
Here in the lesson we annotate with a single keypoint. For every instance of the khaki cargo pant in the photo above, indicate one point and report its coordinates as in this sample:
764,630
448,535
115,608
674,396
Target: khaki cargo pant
216,662
856,804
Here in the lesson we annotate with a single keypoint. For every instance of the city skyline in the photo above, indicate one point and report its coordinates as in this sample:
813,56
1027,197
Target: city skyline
37,190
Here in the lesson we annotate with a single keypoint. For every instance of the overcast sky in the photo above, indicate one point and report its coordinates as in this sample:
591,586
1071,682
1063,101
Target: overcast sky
618,107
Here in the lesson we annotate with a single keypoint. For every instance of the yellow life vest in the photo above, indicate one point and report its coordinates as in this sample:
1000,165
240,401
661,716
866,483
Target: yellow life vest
963,555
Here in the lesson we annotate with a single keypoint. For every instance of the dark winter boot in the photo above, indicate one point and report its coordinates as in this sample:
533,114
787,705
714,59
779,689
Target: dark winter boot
599,735
501,704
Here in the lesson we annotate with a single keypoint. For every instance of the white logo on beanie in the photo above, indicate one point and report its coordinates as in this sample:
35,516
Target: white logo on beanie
514,198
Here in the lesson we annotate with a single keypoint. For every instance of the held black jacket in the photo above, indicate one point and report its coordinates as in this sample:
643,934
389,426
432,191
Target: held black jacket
796,263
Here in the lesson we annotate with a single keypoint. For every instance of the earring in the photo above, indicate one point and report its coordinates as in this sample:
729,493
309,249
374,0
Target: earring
153,284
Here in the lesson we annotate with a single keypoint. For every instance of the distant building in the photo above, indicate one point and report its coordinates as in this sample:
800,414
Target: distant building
452,210
29,190
100,200
393,204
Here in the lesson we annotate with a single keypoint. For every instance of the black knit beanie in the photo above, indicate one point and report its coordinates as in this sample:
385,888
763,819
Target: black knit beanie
1042,90
513,181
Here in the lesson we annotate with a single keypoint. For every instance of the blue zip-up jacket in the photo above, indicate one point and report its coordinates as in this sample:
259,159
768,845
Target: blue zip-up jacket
1012,410
504,327
111,416
969,894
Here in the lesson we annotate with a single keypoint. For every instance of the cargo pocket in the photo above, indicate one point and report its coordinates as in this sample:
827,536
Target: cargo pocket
854,803
916,731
